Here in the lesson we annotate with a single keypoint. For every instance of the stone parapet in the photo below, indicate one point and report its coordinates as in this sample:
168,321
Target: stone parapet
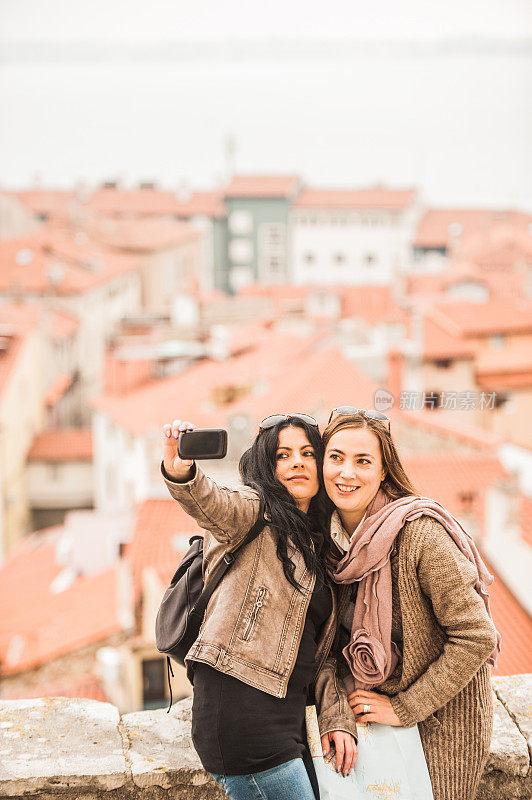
56,748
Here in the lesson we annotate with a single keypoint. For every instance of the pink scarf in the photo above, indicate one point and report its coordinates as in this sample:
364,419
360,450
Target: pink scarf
371,654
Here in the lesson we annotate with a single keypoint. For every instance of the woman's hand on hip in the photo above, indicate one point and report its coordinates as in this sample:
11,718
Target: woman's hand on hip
346,749
380,708
175,467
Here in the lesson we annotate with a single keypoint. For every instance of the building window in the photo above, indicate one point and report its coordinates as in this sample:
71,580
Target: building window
275,265
271,249
370,259
240,251
339,258
240,222
153,683
432,400
497,341
443,363
309,258
501,399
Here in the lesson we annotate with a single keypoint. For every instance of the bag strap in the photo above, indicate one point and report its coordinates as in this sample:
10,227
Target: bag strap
199,607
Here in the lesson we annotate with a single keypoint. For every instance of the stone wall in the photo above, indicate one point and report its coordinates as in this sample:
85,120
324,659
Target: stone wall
54,748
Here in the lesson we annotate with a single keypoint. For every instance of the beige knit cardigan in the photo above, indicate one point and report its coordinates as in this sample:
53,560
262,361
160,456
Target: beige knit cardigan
443,682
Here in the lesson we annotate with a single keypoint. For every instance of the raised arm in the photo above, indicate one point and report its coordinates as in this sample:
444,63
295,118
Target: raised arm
225,512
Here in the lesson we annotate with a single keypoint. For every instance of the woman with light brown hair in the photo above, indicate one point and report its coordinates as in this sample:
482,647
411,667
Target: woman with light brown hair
417,636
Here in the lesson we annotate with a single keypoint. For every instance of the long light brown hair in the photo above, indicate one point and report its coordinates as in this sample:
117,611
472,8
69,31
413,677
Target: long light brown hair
396,482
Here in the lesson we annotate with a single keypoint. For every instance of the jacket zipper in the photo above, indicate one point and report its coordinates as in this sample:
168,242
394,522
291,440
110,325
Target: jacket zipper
258,604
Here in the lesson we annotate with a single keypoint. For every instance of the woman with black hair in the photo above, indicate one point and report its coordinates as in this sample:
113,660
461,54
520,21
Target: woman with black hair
269,625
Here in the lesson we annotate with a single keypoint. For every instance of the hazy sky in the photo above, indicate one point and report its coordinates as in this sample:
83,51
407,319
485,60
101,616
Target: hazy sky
125,20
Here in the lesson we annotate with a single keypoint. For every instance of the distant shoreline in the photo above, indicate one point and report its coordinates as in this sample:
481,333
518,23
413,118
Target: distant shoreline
254,49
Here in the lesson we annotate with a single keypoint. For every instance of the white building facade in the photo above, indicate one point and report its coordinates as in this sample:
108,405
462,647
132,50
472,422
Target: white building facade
353,238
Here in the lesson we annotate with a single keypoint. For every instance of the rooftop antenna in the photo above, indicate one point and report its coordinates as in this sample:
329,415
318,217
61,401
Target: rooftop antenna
230,154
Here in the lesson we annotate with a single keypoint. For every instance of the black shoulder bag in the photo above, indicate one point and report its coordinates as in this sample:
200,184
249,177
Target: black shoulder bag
183,605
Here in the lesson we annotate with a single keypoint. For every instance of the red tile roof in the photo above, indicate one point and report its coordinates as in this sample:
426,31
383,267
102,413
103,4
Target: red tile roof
315,383
378,197
440,226
38,624
52,202
262,186
525,518
459,432
439,344
515,626
374,304
483,319
62,325
16,323
120,202
142,235
501,246
59,387
68,444
508,367
159,541
203,391
61,262
117,202
458,480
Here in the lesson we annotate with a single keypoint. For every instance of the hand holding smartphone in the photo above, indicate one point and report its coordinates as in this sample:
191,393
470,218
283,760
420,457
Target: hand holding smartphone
203,443
183,445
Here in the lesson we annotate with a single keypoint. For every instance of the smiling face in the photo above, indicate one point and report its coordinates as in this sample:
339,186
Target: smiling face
296,466
352,472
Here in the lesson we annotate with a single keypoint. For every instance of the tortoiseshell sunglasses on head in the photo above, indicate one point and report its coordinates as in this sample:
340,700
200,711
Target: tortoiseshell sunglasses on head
370,413
275,419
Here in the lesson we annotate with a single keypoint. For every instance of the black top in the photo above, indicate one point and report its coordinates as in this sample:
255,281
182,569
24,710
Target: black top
237,729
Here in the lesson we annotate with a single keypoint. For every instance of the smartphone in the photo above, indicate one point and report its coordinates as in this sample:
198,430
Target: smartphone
202,443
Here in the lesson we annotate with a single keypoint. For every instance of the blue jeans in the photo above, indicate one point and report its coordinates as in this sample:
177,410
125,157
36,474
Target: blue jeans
288,781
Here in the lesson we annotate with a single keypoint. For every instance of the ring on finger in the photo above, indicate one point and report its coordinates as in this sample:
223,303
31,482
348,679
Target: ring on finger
366,709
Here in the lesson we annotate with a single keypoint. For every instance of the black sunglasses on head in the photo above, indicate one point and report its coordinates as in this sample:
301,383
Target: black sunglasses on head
275,419
344,411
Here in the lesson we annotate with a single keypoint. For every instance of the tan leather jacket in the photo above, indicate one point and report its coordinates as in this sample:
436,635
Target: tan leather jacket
254,620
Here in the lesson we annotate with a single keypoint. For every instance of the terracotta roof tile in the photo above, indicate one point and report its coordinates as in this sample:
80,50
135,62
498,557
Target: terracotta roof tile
515,626
57,261
59,387
38,624
68,444
142,235
510,366
159,541
484,319
148,202
360,198
315,383
16,323
458,480
262,186
438,344
205,389
441,226
47,201
525,518
62,325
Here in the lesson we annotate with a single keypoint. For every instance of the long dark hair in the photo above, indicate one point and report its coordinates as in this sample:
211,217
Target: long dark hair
309,533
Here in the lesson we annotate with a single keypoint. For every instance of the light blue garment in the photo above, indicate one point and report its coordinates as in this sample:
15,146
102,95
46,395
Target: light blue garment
288,781
390,764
